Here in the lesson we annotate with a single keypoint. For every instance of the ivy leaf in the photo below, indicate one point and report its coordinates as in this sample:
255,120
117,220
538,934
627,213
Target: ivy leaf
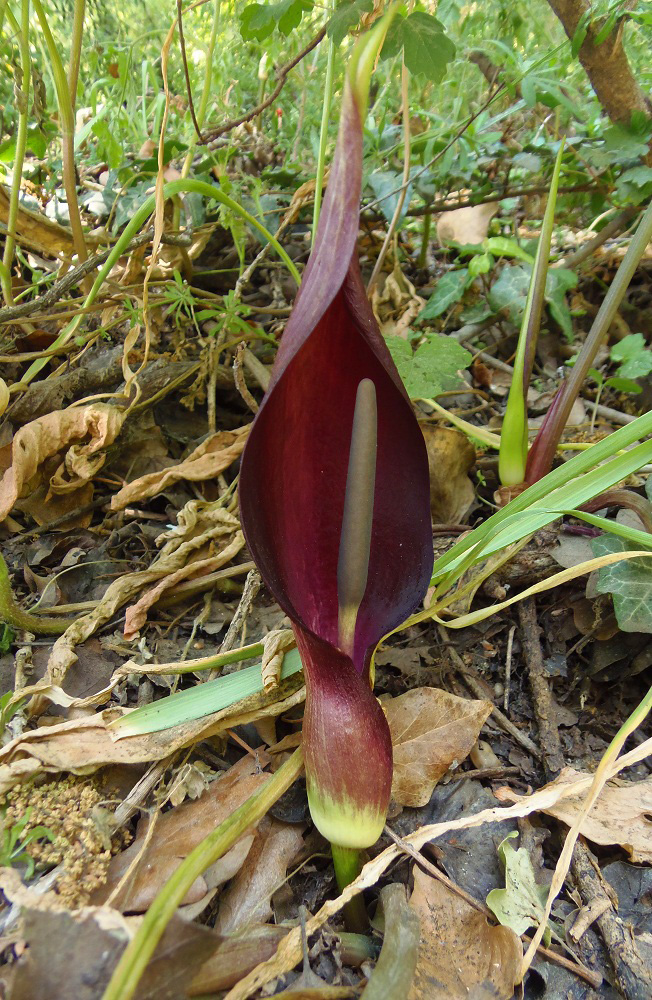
629,582
433,368
347,16
257,21
635,185
449,290
509,292
426,48
628,142
521,903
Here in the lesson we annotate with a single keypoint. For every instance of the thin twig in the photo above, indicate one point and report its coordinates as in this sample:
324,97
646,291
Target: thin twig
184,60
238,377
580,970
281,75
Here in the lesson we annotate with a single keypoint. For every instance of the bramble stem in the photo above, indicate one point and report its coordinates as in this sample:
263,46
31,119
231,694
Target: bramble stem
348,864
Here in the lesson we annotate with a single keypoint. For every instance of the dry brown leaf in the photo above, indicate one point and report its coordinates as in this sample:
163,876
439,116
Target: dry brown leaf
289,949
450,457
208,460
620,816
460,954
136,615
84,745
397,305
466,225
275,646
247,899
235,957
36,232
66,955
431,730
180,544
48,435
149,864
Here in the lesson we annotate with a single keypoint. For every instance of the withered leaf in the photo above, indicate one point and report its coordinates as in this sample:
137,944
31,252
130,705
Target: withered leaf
430,730
460,954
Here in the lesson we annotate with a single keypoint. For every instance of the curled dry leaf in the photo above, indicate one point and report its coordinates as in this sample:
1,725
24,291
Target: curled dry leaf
247,899
275,646
397,305
208,460
431,729
42,438
136,615
460,955
450,457
235,957
175,553
136,875
620,816
84,745
466,225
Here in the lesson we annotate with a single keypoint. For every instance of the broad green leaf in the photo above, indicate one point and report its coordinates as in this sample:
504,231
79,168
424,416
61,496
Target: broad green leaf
630,584
202,700
521,903
257,21
386,186
347,16
434,367
480,264
509,292
426,48
632,355
503,246
449,290
628,143
558,282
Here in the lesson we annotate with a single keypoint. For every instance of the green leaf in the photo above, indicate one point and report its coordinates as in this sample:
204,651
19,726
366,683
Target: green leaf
628,142
480,264
433,368
623,384
521,903
449,290
257,21
629,582
635,360
558,282
635,185
426,48
347,16
503,246
509,292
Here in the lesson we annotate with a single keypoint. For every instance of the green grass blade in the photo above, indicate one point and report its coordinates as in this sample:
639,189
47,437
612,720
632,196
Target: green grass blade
199,701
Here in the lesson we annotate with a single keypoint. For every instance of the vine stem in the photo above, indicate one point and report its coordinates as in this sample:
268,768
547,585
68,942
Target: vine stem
323,134
140,949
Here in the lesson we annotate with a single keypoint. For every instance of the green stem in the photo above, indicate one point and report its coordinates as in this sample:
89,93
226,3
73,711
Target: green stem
323,134
13,614
75,50
67,123
140,949
134,226
425,240
22,103
348,865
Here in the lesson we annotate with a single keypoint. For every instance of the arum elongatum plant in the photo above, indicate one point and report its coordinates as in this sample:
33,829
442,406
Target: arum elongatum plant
334,500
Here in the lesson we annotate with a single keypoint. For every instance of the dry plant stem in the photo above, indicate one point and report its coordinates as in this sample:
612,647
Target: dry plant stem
473,683
67,125
606,766
576,967
184,59
14,615
75,50
323,132
140,949
553,757
616,225
22,103
397,961
405,181
282,74
238,378
633,973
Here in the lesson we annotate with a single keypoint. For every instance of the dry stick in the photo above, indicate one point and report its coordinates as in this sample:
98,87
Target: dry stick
553,757
617,224
508,666
406,180
595,979
72,278
184,60
210,135
238,377
633,973
472,681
